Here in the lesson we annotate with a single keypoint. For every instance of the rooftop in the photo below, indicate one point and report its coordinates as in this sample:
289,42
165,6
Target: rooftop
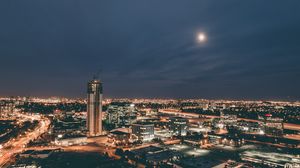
119,133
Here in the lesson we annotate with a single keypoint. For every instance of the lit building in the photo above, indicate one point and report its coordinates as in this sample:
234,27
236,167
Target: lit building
229,119
122,115
273,125
37,153
143,131
80,140
94,108
68,126
179,126
154,156
270,159
24,166
233,141
119,137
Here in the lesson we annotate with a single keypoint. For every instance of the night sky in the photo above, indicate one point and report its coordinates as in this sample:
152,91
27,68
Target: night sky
149,48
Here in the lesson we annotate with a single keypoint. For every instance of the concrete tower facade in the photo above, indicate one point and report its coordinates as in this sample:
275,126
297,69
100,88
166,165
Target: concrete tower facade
94,108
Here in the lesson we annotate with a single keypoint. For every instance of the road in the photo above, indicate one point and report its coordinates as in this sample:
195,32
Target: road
17,145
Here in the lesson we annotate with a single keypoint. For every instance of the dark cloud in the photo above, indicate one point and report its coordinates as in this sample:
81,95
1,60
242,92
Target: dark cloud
149,48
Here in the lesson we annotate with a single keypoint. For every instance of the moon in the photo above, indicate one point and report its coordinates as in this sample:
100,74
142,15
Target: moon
201,37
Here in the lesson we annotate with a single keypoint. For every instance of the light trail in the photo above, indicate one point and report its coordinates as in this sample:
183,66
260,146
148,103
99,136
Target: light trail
13,147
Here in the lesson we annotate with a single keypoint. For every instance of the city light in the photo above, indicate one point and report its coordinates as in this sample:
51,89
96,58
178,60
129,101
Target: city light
261,132
149,109
143,122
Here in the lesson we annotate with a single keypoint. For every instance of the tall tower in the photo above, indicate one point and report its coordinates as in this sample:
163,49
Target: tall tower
94,108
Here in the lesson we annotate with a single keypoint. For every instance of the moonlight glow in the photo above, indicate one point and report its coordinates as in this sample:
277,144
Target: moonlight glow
201,37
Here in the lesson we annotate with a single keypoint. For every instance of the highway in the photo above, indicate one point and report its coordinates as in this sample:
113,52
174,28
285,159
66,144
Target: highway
17,145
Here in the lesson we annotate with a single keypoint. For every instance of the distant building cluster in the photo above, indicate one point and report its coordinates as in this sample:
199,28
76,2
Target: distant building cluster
163,132
122,115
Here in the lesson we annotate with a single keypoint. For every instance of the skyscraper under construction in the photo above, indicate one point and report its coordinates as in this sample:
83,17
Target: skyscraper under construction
94,108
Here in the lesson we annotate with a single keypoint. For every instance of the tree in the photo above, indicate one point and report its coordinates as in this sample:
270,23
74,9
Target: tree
119,152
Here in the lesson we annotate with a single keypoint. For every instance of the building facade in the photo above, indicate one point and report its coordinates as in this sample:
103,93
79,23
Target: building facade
179,126
272,125
94,108
122,115
143,131
118,137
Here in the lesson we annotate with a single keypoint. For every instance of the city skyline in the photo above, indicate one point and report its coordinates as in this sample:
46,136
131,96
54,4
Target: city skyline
152,51
150,84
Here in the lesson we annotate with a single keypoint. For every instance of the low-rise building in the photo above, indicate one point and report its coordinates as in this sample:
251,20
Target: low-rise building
272,125
179,126
68,141
24,166
37,153
119,137
143,131
229,119
153,155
